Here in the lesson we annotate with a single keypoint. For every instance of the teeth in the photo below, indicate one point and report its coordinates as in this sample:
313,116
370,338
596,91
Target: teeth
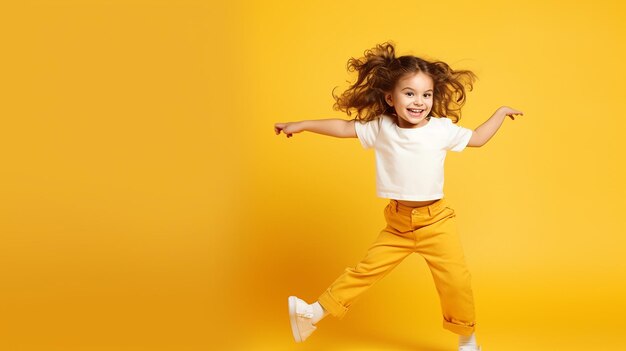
413,110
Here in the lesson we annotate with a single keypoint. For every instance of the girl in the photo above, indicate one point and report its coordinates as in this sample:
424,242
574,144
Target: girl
406,110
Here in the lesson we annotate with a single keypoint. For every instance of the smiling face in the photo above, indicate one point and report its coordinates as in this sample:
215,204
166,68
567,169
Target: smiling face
412,98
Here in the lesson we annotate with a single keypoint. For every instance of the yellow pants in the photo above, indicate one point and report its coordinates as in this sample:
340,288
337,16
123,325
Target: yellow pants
430,231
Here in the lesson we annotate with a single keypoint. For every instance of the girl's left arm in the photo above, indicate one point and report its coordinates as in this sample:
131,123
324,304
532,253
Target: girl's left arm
485,131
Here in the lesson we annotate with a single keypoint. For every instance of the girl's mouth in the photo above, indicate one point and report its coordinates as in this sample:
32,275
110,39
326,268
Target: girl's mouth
415,112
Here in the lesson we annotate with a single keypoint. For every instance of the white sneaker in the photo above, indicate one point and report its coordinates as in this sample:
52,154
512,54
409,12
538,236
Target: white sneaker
469,348
301,316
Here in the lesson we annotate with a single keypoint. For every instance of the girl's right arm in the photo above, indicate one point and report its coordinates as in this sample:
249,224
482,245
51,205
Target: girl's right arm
339,128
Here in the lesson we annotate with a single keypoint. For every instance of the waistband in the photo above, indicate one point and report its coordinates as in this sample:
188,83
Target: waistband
430,210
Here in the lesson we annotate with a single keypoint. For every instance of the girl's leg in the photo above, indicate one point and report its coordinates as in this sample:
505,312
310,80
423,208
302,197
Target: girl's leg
392,245
440,245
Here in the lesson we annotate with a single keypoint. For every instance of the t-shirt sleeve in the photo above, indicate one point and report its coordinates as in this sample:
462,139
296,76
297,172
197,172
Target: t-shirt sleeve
368,132
458,137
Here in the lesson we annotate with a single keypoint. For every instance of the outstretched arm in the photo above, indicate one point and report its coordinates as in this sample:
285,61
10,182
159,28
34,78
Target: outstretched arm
485,131
335,127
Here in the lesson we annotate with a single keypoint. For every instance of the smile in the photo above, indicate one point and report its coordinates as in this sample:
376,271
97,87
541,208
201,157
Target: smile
415,112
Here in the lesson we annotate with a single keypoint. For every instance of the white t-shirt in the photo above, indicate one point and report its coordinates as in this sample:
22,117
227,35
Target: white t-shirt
409,161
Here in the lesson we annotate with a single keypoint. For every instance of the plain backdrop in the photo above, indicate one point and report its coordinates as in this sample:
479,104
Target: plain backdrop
146,203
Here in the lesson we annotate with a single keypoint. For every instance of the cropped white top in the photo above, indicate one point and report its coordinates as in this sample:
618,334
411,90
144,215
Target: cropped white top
410,161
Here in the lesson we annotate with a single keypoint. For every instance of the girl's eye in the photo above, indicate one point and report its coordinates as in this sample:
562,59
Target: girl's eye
427,95
409,93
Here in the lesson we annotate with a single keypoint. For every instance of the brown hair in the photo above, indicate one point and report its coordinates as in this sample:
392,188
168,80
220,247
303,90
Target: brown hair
379,71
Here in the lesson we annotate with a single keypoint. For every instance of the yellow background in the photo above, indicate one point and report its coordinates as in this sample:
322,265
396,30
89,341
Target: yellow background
146,203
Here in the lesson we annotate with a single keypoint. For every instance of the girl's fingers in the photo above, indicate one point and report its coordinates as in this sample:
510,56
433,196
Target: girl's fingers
280,127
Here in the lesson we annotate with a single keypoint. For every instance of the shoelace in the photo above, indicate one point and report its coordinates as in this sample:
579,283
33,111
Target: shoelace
308,314
305,315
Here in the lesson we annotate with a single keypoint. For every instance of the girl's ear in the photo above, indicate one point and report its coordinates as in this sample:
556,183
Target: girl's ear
388,99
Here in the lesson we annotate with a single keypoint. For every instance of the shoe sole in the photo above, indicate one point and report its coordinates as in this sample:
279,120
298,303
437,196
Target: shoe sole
292,318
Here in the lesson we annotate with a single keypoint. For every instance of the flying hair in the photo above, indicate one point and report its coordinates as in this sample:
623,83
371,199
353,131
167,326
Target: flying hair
378,72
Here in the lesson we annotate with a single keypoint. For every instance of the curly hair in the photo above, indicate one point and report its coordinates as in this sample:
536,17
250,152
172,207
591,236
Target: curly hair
379,71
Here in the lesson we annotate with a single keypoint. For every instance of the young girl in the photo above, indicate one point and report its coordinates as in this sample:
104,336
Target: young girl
406,110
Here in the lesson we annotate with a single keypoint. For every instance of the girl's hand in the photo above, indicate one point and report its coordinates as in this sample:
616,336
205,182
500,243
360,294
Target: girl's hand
510,112
288,128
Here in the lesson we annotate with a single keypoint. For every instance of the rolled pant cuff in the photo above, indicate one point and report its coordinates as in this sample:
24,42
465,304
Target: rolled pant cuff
330,304
461,329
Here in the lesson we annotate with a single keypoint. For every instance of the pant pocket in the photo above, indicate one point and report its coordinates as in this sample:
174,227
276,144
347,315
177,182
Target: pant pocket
449,211
396,222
